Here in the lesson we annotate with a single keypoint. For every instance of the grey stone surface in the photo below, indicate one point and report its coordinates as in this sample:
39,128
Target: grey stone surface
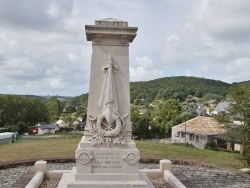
203,177
9,176
191,176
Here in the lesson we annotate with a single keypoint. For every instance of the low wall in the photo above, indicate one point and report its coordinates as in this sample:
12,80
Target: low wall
31,162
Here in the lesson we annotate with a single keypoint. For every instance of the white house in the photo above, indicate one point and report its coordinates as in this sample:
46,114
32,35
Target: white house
60,123
197,131
202,110
44,128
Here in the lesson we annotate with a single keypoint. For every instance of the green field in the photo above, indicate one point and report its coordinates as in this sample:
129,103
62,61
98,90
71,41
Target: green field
65,147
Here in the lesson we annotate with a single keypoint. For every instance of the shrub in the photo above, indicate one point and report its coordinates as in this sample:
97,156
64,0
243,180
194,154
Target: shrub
211,146
65,129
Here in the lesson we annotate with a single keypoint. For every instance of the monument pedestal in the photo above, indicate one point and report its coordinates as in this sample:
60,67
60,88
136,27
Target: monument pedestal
111,167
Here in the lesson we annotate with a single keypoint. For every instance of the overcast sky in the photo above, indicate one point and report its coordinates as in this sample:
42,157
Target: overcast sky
43,47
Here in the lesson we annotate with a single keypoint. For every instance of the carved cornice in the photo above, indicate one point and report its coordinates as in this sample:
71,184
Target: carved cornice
97,38
123,32
124,39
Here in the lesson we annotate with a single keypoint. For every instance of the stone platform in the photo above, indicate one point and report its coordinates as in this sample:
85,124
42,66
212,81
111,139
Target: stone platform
68,177
100,182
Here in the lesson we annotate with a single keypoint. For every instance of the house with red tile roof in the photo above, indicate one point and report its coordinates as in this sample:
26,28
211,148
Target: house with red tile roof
197,131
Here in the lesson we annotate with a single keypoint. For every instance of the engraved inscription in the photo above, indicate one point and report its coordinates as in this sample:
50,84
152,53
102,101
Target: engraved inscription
107,162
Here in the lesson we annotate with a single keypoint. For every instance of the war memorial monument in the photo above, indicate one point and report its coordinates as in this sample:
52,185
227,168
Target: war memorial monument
107,156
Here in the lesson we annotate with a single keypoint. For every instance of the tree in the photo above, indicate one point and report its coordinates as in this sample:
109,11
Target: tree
22,128
54,108
81,112
167,114
70,108
239,98
141,124
210,96
13,110
20,113
2,112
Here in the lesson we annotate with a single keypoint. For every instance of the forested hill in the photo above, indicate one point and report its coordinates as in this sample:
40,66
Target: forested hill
242,83
178,88
61,98
169,87
163,88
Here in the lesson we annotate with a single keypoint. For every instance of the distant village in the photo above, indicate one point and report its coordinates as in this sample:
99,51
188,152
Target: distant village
201,131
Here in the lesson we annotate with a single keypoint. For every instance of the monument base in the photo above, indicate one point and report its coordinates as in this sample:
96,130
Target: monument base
68,181
113,166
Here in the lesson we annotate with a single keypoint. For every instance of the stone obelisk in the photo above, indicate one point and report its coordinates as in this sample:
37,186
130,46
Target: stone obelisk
107,156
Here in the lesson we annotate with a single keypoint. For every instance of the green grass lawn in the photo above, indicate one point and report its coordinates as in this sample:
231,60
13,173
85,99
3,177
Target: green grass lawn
65,147
39,149
184,152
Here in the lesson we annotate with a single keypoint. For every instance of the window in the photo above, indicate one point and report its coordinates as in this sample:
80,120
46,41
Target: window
191,136
182,134
197,138
178,134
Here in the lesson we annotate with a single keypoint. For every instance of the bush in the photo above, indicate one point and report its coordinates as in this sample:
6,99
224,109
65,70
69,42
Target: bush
65,129
211,146
247,153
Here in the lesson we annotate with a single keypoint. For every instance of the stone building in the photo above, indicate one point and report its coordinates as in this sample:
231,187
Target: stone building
197,131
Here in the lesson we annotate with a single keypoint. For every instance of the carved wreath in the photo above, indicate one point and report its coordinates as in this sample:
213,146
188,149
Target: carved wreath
109,126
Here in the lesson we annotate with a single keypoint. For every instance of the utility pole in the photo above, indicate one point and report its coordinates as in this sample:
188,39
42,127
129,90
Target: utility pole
185,132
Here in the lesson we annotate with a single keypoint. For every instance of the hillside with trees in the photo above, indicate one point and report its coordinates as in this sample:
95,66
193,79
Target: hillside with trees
78,101
166,102
177,88
61,98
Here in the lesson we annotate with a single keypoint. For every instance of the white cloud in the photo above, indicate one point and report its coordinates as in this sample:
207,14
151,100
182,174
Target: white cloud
227,19
54,71
212,39
171,43
43,47
237,69
145,70
53,10
56,82
188,73
19,68
144,62
72,57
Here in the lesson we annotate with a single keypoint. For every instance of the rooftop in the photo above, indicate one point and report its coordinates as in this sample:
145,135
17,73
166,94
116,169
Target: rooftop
202,125
223,106
48,126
